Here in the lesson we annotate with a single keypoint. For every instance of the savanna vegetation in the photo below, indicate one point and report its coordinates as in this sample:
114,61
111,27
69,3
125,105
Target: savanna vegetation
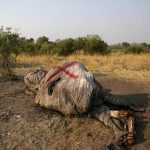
124,68
12,45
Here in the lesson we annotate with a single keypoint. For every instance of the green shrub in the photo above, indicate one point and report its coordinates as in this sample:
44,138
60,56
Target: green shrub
45,48
9,49
7,65
137,49
65,47
94,44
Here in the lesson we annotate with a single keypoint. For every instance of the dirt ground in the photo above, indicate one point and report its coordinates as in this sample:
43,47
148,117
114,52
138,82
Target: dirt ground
25,126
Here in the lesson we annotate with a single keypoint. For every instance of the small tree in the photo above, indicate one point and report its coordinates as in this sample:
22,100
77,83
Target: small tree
125,44
65,47
135,48
80,43
9,45
94,44
45,48
42,39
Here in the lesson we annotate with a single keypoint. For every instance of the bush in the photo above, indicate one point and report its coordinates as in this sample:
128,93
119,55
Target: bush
65,47
80,43
45,48
137,49
30,48
9,49
94,44
7,65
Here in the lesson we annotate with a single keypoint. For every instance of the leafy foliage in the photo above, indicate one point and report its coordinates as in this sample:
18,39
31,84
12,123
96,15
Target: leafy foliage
45,48
42,40
94,44
9,45
135,48
90,44
125,44
65,47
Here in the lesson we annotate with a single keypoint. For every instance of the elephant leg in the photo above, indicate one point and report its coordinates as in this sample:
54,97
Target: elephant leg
118,120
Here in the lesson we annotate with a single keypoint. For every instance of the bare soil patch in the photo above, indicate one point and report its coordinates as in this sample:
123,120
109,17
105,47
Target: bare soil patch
23,125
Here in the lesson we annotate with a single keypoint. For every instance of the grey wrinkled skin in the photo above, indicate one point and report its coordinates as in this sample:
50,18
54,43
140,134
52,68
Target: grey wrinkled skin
74,95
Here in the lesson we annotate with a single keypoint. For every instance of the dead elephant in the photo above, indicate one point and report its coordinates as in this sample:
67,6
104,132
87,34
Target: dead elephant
72,89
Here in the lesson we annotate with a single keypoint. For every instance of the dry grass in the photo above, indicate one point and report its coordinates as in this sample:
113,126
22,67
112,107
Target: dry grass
130,66
42,129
